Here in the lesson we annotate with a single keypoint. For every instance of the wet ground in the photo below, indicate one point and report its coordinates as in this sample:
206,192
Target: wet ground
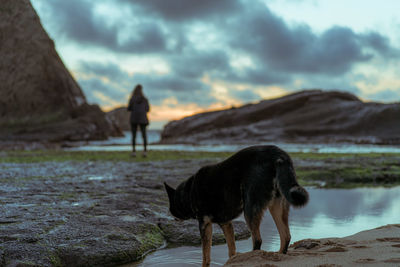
329,213
110,212
154,137
87,213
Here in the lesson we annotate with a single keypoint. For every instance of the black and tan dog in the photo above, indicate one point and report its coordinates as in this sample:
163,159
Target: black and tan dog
252,180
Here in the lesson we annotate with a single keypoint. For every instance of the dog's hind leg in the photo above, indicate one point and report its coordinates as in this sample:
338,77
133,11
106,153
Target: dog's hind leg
229,233
279,210
253,219
205,226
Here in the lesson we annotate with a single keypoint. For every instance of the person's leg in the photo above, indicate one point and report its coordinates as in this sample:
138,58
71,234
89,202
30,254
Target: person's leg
133,129
144,136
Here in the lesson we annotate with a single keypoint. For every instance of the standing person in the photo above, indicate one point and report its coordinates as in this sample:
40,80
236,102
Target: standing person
138,106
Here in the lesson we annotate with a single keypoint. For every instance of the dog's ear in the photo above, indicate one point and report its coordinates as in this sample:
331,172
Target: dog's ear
170,192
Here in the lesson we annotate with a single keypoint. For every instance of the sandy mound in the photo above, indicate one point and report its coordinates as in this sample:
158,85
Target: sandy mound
376,247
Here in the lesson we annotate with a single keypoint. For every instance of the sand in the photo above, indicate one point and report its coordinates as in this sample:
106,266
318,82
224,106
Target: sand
376,247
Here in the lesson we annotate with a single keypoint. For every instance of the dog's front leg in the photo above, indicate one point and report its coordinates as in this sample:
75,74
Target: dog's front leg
206,240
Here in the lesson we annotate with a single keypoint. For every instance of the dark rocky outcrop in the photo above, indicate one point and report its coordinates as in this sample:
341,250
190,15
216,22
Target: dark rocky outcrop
39,99
307,116
120,116
92,213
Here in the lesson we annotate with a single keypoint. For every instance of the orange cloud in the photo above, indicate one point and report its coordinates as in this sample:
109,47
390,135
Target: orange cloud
170,109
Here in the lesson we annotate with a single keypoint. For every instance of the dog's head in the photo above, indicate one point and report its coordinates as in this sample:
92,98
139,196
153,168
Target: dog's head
174,205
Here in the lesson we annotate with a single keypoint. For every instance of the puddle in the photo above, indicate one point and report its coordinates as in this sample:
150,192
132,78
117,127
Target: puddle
330,213
96,178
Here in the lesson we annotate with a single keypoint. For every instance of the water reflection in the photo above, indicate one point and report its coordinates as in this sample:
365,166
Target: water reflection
330,213
123,144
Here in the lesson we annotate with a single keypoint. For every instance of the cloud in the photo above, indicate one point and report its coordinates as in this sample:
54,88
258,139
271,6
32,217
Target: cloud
184,90
380,44
276,49
78,21
387,95
344,82
116,83
178,10
217,64
259,76
296,49
107,70
195,63
245,96
95,87
206,45
104,83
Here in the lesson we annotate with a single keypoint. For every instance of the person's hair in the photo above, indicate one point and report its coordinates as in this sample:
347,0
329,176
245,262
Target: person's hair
138,91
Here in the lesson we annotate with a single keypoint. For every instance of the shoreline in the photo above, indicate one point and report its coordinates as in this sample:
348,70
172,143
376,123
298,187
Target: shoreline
98,208
321,170
378,246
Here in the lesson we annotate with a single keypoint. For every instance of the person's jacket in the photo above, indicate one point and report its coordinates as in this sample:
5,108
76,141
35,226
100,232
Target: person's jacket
139,106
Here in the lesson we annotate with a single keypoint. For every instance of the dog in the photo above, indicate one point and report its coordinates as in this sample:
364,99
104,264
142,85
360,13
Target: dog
250,181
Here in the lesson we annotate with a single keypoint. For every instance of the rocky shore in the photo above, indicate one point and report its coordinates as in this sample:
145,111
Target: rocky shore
92,213
106,209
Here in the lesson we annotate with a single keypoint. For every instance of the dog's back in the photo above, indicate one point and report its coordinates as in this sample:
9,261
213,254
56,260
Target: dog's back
253,176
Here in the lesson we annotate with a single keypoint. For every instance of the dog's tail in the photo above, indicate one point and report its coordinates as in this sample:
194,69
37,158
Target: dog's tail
291,190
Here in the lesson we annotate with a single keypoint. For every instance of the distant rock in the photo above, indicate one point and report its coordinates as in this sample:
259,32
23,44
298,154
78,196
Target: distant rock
120,117
307,116
39,99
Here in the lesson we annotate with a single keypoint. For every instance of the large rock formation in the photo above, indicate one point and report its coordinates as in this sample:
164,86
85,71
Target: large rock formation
121,117
39,99
307,116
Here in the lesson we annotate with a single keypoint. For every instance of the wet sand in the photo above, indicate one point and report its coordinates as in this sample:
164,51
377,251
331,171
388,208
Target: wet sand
375,247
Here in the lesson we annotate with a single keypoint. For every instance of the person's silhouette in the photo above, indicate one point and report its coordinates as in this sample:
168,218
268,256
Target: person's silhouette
138,106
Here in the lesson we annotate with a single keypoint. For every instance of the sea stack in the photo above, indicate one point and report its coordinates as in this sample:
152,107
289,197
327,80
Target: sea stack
39,98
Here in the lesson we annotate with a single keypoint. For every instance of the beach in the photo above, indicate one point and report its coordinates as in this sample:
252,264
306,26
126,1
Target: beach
375,247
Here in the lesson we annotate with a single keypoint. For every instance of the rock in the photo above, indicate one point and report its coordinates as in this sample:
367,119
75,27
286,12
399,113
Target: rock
91,213
307,116
2,258
112,247
120,116
306,244
39,99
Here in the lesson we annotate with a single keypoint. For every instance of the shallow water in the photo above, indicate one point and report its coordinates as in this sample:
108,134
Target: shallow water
124,144
330,213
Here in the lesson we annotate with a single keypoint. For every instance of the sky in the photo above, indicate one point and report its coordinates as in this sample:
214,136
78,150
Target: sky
195,56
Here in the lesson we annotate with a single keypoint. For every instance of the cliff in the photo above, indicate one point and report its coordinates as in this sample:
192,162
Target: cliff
307,116
39,99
